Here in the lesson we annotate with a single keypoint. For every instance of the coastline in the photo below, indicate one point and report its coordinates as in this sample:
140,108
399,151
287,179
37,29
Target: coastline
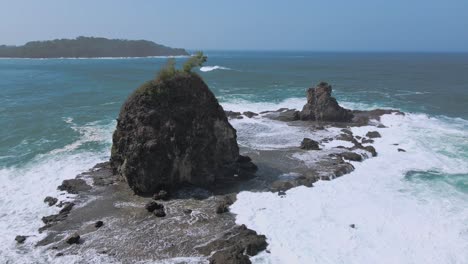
111,201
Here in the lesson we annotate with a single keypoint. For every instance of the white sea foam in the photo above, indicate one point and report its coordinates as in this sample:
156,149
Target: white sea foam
212,68
396,219
22,189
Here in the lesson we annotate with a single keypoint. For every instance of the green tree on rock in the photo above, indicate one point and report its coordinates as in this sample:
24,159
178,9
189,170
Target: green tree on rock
196,60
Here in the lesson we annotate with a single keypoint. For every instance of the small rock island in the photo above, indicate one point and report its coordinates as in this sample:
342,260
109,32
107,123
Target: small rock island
89,47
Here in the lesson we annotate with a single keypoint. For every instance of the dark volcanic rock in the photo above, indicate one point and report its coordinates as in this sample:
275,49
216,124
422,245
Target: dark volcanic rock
174,131
98,224
20,239
365,141
373,134
401,150
234,246
321,106
161,195
371,149
351,156
250,114
235,115
309,144
50,200
151,206
160,212
74,186
73,239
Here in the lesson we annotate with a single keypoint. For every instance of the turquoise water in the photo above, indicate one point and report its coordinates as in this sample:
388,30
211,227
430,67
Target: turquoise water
57,115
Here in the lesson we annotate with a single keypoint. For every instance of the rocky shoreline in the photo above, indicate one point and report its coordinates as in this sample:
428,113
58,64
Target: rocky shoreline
175,225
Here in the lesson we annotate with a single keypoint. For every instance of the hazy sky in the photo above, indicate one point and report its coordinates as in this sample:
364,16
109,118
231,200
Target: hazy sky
322,25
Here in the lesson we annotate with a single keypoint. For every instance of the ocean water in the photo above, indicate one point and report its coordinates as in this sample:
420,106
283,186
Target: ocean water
57,118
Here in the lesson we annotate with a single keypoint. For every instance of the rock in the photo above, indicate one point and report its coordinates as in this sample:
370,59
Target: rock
343,169
352,225
401,150
151,206
98,224
281,185
371,149
233,115
60,254
373,134
161,195
67,207
20,239
281,193
159,212
367,141
173,132
351,156
187,211
363,117
322,107
73,239
347,131
228,256
283,114
52,219
74,186
50,200
234,246
250,114
222,206
309,144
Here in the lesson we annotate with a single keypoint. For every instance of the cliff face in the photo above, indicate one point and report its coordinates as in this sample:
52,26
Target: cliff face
321,106
88,47
172,132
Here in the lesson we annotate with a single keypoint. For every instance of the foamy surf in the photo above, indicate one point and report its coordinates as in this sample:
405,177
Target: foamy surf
396,219
212,68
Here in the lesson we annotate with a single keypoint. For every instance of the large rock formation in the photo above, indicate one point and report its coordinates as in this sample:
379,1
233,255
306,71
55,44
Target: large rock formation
322,107
174,131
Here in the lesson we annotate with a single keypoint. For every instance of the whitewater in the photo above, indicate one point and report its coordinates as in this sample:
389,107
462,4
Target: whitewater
379,213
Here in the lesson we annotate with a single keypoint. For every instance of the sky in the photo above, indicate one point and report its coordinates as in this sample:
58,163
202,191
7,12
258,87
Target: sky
316,25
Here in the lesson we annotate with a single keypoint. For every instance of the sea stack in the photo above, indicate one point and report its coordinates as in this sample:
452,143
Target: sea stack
321,106
172,131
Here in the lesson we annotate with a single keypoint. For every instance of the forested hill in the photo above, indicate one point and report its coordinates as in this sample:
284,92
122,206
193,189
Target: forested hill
88,47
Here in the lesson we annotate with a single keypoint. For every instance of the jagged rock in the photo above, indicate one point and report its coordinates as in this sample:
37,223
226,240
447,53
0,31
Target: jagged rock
172,132
309,144
371,149
352,225
74,186
151,206
322,107
98,224
187,211
67,207
234,246
282,114
50,200
363,117
343,169
367,141
161,195
223,205
73,239
373,134
233,115
351,156
249,114
20,239
160,212
401,150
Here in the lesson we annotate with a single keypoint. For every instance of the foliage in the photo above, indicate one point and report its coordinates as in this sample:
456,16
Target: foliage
195,61
169,70
88,47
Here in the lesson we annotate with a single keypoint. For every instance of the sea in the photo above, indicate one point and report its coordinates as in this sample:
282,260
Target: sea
57,117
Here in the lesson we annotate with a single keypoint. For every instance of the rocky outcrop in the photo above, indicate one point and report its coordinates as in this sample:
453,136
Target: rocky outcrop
74,186
172,132
309,144
321,106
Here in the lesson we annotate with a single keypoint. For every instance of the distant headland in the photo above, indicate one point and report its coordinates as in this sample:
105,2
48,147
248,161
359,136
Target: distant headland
89,47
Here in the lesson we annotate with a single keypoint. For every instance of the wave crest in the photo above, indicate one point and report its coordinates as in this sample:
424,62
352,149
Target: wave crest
212,68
